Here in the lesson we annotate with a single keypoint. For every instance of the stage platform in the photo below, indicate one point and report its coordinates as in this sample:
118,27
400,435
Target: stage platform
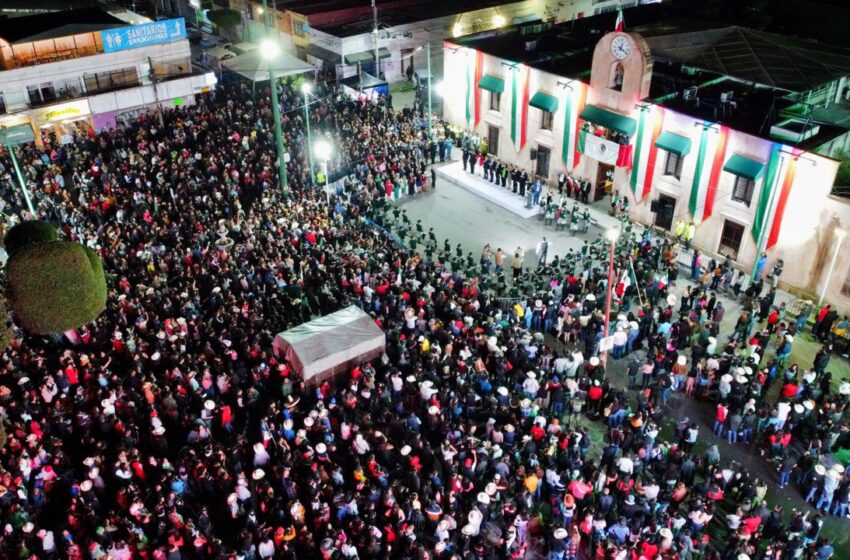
504,198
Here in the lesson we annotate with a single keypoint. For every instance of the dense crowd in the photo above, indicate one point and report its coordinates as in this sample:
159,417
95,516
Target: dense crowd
167,429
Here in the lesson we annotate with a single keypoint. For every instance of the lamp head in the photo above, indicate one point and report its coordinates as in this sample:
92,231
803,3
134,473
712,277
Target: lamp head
306,88
612,235
269,49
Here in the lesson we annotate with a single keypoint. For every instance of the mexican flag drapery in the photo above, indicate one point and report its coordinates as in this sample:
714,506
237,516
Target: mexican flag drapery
519,105
711,155
474,71
650,123
576,98
780,175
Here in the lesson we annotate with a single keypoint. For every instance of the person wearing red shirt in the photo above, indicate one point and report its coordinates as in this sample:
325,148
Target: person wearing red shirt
720,418
789,390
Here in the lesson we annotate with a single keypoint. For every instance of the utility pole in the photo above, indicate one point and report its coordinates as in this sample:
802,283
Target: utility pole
375,31
21,179
430,84
278,132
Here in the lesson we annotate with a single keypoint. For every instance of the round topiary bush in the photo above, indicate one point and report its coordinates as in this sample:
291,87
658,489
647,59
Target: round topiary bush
55,286
28,233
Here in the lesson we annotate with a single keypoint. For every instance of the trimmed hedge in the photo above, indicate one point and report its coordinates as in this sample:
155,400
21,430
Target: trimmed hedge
55,286
28,233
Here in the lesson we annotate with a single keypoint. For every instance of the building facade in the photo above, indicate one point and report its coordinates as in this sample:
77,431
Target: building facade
60,78
744,192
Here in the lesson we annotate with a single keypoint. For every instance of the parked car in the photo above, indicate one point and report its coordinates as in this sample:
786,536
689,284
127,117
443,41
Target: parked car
209,41
243,48
212,57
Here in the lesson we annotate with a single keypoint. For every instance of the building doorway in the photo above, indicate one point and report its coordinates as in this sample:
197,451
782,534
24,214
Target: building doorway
493,140
604,180
543,155
407,63
730,239
666,208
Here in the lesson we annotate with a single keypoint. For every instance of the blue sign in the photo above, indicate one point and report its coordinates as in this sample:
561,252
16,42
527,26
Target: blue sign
123,38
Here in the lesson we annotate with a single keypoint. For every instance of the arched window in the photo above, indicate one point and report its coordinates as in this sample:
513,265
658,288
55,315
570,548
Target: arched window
616,79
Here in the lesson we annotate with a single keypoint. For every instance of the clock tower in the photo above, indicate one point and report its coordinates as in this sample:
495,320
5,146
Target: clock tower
621,71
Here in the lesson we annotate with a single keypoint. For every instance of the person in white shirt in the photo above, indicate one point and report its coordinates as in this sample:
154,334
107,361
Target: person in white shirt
530,385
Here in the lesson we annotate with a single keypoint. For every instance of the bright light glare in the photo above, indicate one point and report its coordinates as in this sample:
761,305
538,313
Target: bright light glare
269,48
498,20
306,87
612,234
457,30
441,89
322,149
260,10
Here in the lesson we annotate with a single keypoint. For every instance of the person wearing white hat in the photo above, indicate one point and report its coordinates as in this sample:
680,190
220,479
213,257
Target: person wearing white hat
530,385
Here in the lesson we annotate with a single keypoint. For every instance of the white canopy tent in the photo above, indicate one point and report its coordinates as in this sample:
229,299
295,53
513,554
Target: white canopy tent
254,67
328,345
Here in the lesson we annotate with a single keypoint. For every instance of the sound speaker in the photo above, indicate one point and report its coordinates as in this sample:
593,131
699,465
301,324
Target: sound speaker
533,153
653,206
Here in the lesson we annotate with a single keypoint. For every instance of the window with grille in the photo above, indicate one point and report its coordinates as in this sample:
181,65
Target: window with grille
495,100
546,118
674,165
743,191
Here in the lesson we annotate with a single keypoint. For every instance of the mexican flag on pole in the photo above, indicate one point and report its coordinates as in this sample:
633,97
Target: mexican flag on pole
519,105
573,106
650,123
474,70
619,25
711,156
780,175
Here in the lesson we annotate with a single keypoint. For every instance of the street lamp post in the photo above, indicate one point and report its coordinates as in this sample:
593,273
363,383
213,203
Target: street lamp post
430,84
839,238
21,180
270,49
612,235
323,151
306,88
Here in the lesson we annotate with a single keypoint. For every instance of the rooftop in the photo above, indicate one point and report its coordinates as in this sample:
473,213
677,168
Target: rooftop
52,25
345,18
712,71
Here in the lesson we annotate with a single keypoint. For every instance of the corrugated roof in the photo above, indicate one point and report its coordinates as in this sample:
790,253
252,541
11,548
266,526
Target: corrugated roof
755,56
56,24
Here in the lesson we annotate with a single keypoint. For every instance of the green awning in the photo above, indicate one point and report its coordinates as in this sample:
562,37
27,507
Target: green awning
366,56
492,83
17,134
609,119
544,102
323,54
674,143
744,167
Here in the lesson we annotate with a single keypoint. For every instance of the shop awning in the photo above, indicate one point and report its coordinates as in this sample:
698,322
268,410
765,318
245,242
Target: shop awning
609,119
492,83
544,102
17,134
254,67
674,143
323,54
744,167
366,56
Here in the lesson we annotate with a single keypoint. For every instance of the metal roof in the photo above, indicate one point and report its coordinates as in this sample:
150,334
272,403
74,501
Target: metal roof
56,24
755,56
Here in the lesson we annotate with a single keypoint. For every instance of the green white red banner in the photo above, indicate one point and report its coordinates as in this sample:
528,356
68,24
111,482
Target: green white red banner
650,123
781,171
519,105
474,71
711,156
573,105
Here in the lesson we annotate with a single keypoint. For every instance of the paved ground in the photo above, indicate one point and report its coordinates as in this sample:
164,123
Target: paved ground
462,217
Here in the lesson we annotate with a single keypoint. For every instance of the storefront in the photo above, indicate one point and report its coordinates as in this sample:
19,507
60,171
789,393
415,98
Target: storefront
64,120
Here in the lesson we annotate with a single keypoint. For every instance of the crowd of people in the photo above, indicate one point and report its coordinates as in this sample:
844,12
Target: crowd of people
167,428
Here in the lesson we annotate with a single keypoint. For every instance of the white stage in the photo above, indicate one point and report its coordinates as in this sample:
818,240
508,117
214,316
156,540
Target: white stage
505,198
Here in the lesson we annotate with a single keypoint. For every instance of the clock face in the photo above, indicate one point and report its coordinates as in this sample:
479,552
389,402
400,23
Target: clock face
620,47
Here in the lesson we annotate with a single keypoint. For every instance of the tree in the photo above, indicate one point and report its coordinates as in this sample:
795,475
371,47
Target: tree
52,285
225,17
